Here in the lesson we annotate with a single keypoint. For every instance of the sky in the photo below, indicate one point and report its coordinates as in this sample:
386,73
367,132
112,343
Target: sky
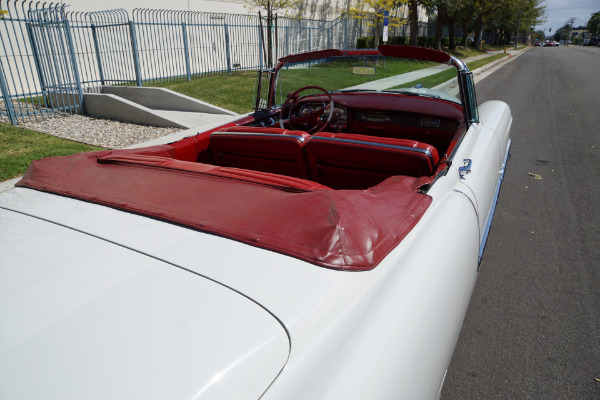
559,11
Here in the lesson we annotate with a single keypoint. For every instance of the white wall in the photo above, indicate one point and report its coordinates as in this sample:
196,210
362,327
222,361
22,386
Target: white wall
317,9
228,6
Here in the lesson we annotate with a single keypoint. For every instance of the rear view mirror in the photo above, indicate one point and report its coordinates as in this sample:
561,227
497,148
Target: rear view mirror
363,70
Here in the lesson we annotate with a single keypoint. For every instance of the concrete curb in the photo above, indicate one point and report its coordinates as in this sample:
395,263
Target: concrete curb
481,73
173,137
9,184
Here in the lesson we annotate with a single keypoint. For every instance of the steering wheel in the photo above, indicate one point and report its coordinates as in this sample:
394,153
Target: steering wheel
309,121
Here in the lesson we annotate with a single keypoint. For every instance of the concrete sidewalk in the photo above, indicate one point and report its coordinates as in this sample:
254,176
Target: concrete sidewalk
397,80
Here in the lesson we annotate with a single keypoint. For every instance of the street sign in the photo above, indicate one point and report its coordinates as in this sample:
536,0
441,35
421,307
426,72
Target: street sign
386,15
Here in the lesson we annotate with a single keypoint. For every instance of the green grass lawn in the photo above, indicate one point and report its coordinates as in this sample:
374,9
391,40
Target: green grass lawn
19,147
236,92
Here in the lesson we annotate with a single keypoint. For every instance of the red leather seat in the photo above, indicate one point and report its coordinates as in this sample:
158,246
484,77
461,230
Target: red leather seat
233,173
348,161
271,150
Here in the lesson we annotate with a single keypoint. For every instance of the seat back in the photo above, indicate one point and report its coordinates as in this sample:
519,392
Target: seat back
265,178
348,161
271,150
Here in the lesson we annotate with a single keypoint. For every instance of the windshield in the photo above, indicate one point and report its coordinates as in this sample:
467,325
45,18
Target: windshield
373,73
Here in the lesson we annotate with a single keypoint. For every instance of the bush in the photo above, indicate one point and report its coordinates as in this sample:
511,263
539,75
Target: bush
425,41
401,40
368,42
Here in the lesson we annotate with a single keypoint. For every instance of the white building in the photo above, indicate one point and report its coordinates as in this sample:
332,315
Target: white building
311,9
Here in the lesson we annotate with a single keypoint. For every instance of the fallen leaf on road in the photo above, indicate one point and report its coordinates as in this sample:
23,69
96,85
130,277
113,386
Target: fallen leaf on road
536,176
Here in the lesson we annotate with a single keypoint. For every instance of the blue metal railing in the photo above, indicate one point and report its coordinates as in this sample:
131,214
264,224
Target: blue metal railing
38,72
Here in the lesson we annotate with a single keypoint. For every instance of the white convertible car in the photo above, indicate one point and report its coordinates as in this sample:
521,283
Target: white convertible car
323,247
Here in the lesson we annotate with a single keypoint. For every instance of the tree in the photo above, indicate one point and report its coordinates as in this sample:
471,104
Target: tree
440,9
507,17
270,7
413,18
482,10
449,13
564,32
466,17
539,36
593,25
372,13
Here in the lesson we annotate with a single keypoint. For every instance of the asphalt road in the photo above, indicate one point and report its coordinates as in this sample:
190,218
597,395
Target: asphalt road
532,330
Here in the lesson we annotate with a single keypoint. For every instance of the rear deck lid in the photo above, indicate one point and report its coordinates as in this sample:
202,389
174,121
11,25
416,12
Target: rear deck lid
82,318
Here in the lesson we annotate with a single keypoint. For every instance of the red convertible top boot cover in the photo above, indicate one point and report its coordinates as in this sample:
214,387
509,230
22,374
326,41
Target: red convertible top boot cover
342,229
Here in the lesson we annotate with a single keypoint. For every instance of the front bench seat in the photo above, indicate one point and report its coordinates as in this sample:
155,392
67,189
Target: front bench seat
349,161
272,150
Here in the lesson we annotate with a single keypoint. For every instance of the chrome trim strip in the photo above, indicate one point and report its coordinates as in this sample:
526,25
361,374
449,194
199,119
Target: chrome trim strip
490,215
458,64
470,201
389,146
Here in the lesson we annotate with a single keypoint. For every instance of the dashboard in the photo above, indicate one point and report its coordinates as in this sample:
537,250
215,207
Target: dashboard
432,121
338,119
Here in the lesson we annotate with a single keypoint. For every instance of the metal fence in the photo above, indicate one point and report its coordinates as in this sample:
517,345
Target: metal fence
164,45
38,69
50,57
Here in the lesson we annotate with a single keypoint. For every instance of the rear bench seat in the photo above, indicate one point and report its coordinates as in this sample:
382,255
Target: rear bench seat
271,150
349,161
264,178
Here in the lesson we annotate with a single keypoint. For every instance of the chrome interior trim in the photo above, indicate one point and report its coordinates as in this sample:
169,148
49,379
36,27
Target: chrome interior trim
390,146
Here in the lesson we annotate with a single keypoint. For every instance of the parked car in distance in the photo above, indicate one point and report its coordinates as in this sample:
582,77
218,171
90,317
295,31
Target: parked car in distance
324,246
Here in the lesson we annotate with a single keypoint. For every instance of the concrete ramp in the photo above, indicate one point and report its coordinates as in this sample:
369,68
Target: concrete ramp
154,106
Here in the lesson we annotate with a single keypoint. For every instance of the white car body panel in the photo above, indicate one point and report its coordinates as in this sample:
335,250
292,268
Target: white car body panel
322,309
68,304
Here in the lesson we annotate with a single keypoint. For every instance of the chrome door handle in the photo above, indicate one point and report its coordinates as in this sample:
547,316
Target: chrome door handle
466,168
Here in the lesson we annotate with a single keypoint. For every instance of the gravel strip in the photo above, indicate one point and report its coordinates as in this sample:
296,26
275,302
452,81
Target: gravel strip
98,132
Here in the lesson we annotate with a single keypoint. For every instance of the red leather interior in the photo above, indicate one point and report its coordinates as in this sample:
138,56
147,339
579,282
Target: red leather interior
264,178
433,121
348,161
342,229
439,138
271,150
186,149
195,148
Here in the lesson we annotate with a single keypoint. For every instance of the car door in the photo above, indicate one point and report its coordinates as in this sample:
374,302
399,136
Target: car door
478,164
